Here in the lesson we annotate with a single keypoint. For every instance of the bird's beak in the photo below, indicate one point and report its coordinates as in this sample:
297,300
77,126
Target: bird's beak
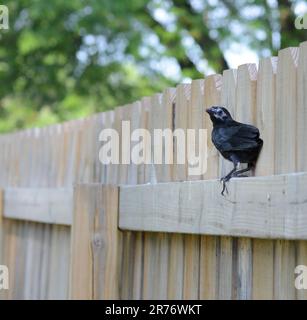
209,111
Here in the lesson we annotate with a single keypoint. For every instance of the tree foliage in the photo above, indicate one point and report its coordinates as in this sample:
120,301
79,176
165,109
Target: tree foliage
65,59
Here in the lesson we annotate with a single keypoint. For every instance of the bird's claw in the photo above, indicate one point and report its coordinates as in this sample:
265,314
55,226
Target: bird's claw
223,180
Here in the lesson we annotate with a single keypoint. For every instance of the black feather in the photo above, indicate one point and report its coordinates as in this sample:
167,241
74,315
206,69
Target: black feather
237,142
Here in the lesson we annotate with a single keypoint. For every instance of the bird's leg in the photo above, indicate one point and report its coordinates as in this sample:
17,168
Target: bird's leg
228,177
239,172
224,187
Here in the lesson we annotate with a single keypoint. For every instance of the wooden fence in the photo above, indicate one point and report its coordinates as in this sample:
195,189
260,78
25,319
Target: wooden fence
71,227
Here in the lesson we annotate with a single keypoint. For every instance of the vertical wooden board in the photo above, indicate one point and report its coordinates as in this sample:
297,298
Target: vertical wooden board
150,266
175,285
106,243
81,271
59,263
138,237
265,114
263,269
144,170
58,146
168,109
163,262
246,93
37,253
10,261
95,125
126,141
134,116
301,259
196,121
51,151
225,268
53,284
194,95
81,176
208,268
77,132
43,290
302,108
126,172
156,122
25,166
108,172
29,259
228,100
155,244
245,112
244,271
11,160
88,150
212,92
156,255
286,110
285,160
15,288
138,267
95,246
301,142
68,155
284,265
208,245
127,271
175,268
22,257
181,123
149,173
263,250
191,267
4,294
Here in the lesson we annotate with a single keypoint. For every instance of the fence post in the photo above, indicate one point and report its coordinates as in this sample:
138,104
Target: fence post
95,240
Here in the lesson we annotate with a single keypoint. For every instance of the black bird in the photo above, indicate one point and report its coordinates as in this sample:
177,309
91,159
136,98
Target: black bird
237,142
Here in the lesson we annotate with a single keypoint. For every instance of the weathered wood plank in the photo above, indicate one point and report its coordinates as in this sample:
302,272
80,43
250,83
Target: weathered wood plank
96,244
259,207
263,250
46,205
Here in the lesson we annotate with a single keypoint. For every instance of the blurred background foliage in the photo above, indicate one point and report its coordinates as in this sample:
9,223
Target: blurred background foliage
67,59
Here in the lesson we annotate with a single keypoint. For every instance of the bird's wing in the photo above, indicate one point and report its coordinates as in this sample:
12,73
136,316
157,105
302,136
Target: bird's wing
236,137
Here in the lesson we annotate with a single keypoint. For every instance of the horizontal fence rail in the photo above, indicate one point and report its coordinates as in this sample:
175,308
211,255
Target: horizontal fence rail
44,205
259,207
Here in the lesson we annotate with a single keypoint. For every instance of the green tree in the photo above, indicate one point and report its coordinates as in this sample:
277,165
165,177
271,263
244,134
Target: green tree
66,59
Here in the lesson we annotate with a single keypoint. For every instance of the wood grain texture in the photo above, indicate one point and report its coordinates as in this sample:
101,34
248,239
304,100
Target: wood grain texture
245,112
302,108
286,152
95,244
46,205
301,142
208,268
263,250
286,111
261,207
226,253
